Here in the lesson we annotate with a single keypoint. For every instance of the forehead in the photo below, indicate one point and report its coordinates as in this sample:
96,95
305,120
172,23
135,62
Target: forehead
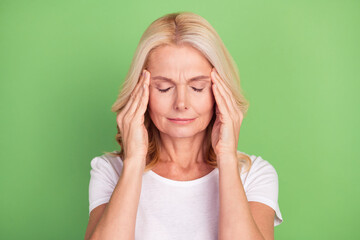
176,59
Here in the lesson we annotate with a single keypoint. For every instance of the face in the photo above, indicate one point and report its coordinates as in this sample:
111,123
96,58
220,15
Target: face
180,87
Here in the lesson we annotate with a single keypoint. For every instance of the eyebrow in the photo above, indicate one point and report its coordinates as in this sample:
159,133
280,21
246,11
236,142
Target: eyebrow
198,78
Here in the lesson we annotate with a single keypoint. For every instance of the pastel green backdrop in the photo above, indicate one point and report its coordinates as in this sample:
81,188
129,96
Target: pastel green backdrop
61,66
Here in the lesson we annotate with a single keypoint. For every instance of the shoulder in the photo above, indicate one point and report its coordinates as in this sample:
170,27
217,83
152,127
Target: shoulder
261,184
259,165
261,172
104,175
107,162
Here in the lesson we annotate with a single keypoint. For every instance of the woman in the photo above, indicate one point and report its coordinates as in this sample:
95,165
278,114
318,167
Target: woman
179,174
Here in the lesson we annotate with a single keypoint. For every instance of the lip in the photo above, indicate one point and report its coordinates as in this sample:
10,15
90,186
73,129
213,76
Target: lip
181,120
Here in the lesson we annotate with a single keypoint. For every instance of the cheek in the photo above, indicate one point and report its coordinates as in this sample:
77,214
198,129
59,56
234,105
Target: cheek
204,103
156,101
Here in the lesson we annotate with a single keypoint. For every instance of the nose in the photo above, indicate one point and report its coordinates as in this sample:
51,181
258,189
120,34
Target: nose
181,99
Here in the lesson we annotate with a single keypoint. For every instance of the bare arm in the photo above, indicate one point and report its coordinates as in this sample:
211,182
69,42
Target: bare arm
119,216
238,218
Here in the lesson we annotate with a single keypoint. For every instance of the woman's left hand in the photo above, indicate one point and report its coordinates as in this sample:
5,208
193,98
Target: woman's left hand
226,129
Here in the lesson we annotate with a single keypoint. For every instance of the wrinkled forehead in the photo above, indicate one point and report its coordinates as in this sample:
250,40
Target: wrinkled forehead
175,59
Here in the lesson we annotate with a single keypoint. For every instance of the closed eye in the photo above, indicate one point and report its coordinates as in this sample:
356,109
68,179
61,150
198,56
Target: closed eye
164,90
167,89
197,90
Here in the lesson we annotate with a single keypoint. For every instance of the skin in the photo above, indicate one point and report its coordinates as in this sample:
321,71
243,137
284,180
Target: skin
238,218
181,144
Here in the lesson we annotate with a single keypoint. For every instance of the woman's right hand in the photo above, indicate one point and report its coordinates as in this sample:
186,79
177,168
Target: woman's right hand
131,121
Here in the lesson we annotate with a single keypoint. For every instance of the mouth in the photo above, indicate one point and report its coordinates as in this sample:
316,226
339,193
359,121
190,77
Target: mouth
182,120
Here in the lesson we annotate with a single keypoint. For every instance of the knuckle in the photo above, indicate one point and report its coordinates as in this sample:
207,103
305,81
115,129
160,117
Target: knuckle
126,119
120,114
119,122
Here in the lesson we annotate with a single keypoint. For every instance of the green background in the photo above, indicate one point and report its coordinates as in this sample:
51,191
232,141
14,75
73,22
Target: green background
61,66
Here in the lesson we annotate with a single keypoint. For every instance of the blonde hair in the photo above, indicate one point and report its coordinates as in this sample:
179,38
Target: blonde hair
178,29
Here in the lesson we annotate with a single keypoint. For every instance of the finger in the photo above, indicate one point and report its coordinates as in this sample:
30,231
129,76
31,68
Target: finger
222,106
145,96
124,111
134,93
217,76
228,91
136,101
234,111
139,84
234,105
227,95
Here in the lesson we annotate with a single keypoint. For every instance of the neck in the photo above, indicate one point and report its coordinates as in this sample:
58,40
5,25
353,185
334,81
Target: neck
183,153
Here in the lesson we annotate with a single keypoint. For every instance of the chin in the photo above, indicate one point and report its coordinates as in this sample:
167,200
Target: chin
180,133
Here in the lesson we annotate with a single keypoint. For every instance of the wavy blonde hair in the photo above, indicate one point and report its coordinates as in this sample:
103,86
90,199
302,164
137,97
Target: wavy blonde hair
178,29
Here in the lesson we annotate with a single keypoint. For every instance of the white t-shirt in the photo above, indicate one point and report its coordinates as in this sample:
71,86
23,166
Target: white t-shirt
170,209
